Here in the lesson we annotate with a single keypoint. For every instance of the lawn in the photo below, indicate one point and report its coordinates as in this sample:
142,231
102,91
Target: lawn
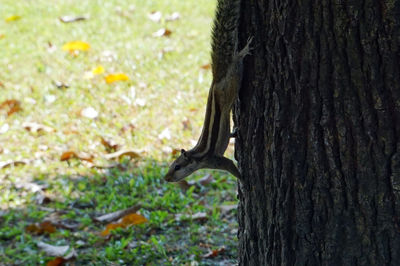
92,111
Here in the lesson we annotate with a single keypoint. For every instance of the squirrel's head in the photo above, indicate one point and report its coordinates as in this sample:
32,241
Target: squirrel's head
182,167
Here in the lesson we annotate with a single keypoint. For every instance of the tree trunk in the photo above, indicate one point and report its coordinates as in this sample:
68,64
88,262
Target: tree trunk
319,133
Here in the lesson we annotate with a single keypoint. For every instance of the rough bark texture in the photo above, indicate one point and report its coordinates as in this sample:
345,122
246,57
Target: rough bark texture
319,133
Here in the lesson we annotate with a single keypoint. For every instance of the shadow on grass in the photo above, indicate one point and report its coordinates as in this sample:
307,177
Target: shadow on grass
184,222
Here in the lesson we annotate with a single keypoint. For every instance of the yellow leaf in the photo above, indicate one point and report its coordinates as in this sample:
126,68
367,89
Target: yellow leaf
76,46
2,36
12,18
133,219
127,220
98,70
116,77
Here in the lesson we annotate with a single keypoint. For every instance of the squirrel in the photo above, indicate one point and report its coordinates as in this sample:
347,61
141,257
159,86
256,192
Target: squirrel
227,64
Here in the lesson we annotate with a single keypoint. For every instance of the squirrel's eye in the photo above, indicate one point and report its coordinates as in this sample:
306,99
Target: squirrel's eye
177,167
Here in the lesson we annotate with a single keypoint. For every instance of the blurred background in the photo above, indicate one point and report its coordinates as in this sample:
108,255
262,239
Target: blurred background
96,99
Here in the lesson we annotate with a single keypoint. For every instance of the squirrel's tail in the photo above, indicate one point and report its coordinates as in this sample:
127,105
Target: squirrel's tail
224,36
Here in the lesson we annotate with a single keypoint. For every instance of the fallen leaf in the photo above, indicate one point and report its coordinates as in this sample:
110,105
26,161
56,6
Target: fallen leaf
214,253
184,185
35,127
186,124
89,112
109,144
41,199
110,217
128,127
69,19
205,180
57,251
165,134
4,128
98,70
227,208
56,262
122,153
76,46
155,16
200,216
12,106
45,227
206,66
175,152
116,77
73,155
60,84
128,220
162,33
11,163
12,18
173,16
51,48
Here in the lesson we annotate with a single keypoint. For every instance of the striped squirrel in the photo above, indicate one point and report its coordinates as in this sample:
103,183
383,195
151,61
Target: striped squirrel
226,64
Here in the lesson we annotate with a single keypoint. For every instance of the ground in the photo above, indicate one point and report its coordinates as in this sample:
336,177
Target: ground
62,119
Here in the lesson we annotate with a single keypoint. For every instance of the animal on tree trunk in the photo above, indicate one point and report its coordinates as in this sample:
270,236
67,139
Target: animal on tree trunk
227,63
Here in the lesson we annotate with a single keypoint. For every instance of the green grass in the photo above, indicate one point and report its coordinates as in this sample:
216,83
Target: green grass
164,93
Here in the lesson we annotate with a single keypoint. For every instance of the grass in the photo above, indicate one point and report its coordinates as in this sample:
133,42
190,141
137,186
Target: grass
160,108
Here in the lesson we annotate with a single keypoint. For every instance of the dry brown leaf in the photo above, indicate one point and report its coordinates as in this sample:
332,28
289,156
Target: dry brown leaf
155,16
35,127
11,163
57,251
206,66
11,106
45,227
110,217
214,253
69,19
162,33
71,155
128,220
109,144
122,153
56,262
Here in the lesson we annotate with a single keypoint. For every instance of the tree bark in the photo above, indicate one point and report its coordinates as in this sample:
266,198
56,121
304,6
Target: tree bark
319,133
